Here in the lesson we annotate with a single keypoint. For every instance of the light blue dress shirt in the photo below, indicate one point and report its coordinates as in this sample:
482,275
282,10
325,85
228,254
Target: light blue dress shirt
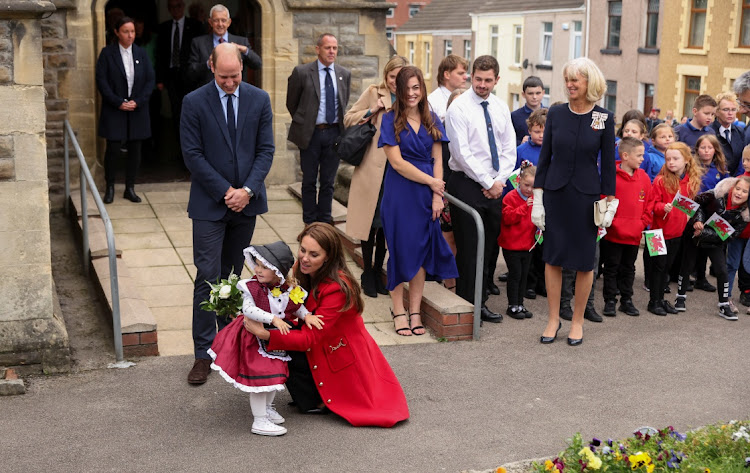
321,119
235,101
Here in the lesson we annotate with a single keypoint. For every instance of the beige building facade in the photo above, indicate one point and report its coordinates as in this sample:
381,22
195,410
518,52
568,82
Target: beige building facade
500,35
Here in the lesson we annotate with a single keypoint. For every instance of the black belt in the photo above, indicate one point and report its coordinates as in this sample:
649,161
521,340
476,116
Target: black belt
325,126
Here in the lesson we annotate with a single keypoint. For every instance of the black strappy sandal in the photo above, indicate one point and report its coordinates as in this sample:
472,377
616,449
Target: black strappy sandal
400,331
417,327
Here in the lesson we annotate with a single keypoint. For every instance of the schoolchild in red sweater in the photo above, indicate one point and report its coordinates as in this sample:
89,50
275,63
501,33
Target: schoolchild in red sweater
517,239
619,247
679,173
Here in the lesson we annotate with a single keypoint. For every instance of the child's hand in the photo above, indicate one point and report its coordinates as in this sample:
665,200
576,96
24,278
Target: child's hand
530,201
314,321
698,227
667,208
281,325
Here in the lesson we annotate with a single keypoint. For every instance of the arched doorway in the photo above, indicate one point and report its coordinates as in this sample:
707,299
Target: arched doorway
162,160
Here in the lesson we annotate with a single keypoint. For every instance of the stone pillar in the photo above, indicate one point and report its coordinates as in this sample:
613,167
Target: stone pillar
32,333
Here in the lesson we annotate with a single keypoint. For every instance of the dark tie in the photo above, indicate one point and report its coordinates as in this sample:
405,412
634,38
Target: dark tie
491,136
176,45
330,97
727,135
232,127
221,40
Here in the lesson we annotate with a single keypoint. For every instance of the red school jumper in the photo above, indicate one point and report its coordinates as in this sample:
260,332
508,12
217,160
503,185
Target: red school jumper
746,232
674,223
633,214
516,229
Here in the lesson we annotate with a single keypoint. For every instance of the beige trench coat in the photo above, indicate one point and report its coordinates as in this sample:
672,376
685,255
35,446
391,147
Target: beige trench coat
368,176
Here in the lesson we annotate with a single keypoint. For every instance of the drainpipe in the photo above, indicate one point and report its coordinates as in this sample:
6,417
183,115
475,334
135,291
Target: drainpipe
588,24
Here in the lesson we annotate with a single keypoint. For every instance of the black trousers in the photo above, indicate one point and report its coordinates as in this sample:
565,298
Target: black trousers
535,279
319,159
301,384
465,233
743,277
690,254
518,269
619,269
111,155
217,251
660,269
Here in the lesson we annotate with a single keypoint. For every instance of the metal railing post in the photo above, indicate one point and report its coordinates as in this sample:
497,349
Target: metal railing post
66,160
479,275
85,225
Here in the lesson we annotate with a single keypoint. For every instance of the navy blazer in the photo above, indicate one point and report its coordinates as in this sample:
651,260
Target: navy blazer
201,49
208,152
570,151
116,124
732,150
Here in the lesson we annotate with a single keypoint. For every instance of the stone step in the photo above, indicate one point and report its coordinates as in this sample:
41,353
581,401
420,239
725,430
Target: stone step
338,211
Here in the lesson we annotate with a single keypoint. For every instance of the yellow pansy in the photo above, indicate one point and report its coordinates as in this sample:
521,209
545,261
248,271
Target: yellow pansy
297,295
275,292
501,469
640,460
595,463
548,465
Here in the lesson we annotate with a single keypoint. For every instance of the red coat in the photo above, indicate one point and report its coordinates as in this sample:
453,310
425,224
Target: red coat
633,214
674,223
351,374
516,229
746,232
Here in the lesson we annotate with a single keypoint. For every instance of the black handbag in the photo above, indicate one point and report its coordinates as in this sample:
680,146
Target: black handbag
352,144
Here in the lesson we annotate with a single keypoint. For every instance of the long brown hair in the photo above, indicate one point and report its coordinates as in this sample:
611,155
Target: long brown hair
693,171
719,160
399,108
333,268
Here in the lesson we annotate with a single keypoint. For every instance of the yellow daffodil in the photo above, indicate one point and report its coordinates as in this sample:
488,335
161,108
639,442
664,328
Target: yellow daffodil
297,295
592,460
276,292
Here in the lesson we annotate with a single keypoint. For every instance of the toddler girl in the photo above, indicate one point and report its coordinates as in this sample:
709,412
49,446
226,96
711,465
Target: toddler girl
239,356
661,137
680,173
517,239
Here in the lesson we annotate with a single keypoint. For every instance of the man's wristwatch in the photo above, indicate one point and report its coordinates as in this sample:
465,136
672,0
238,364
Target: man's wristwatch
249,192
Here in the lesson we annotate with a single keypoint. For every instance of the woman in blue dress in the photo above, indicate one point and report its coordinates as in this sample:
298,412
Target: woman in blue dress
412,136
568,182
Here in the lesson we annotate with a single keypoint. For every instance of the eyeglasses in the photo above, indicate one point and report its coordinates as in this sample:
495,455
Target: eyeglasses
743,104
727,110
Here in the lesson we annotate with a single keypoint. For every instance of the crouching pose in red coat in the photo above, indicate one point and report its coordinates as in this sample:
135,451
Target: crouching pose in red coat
338,367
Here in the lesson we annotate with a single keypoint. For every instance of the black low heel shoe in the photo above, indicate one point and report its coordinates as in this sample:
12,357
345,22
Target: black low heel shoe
548,340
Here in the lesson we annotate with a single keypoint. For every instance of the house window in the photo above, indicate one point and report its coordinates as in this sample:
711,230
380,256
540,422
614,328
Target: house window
518,32
545,98
652,23
745,25
413,10
697,23
576,47
515,101
467,49
448,45
389,32
547,42
648,97
427,58
692,91
411,52
390,12
494,34
610,98
613,26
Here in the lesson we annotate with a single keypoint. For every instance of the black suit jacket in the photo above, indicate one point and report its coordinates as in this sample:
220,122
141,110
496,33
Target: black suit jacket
209,154
200,50
115,124
303,100
190,30
732,151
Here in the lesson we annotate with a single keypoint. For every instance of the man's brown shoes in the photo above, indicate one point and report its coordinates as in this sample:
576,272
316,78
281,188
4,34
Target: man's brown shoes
200,371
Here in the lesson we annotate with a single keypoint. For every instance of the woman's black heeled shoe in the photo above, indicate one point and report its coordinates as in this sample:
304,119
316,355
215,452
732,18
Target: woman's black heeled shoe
416,327
574,342
401,331
548,340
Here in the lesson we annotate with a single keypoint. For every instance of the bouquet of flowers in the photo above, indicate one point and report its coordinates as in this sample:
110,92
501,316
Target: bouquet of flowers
224,299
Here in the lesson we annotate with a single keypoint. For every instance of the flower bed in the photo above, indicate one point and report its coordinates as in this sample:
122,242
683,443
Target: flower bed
720,448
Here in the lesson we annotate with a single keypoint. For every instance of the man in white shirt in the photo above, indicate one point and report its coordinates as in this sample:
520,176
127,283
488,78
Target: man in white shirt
483,154
451,75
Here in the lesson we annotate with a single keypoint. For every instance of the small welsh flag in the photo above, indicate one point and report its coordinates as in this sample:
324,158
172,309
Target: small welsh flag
655,242
684,204
515,178
538,238
600,234
720,226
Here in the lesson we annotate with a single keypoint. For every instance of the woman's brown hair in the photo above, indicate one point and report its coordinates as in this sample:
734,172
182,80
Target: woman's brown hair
719,160
333,268
399,108
692,170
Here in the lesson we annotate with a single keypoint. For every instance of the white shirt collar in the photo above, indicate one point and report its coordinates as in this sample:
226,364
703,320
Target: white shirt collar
128,50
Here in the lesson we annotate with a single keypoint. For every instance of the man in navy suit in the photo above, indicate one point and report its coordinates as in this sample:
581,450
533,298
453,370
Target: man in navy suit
227,143
730,136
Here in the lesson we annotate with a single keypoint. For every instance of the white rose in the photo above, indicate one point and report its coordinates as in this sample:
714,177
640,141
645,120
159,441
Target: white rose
224,292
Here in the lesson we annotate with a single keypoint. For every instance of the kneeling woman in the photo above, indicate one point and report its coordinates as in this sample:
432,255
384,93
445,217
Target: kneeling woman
342,367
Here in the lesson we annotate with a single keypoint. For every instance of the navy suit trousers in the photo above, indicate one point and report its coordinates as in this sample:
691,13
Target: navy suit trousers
319,157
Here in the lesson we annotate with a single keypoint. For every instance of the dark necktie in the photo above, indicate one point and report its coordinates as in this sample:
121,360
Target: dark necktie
491,136
727,135
221,40
232,127
176,45
330,98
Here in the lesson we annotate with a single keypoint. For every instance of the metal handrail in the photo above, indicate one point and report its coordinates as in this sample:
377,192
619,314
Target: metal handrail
480,260
70,137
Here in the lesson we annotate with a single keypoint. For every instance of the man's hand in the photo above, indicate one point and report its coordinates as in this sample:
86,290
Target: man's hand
236,199
243,49
127,106
494,192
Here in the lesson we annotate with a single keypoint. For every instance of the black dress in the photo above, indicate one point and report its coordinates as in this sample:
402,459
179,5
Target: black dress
573,180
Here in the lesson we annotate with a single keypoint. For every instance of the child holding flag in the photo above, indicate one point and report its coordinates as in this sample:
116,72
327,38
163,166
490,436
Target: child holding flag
736,252
680,174
722,213
619,248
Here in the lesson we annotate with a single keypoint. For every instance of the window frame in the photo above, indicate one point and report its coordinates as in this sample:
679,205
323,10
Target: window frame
652,21
390,13
414,9
390,32
448,46
576,39
687,110
467,49
494,40
410,51
517,44
427,57
610,25
744,29
546,36
693,11
610,97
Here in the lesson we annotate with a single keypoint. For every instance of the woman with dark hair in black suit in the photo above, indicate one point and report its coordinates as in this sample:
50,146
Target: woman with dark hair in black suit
125,80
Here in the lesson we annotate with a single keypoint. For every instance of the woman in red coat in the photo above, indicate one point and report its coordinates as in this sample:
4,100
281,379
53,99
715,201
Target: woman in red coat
344,370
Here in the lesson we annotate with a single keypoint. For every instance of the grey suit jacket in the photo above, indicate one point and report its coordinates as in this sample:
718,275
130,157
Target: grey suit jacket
303,100
200,50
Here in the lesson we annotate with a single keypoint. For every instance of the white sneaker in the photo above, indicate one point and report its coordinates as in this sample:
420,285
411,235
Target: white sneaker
274,416
263,426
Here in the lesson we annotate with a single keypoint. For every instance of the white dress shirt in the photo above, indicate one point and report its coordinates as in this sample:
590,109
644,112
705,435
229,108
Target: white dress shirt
466,128
127,61
321,118
438,100
722,131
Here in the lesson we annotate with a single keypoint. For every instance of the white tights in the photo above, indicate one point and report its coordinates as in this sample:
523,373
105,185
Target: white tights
260,401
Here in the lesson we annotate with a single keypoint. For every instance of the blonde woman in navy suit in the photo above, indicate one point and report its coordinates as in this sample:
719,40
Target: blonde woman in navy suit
125,80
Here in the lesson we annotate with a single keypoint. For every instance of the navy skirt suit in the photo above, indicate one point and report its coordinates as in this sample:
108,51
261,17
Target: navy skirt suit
576,167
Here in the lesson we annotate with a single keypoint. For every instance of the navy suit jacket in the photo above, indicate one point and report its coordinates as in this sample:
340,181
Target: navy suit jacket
190,29
116,124
208,152
200,50
732,150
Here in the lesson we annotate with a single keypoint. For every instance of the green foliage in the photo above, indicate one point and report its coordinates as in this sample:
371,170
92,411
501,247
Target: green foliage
225,298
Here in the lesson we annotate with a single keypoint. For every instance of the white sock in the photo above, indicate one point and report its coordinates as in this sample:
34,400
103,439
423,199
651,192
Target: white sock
258,404
270,396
